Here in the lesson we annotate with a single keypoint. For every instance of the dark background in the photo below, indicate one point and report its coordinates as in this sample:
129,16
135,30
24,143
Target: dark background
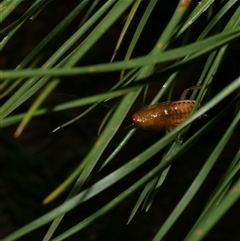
38,161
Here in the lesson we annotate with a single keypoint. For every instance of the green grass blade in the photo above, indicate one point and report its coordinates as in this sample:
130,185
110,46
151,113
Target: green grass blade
58,30
218,17
89,11
125,27
195,14
214,42
156,188
210,220
48,89
221,189
104,121
8,7
71,104
138,31
230,173
118,148
76,118
11,29
100,29
139,201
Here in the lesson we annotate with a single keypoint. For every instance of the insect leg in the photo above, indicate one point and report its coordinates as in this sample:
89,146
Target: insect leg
185,92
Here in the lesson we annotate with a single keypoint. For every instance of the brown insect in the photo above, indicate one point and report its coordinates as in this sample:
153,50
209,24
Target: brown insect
164,116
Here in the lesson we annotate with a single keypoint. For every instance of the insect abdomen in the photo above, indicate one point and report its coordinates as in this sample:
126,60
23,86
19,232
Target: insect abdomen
177,112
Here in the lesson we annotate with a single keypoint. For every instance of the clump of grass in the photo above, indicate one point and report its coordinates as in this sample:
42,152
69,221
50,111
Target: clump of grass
181,43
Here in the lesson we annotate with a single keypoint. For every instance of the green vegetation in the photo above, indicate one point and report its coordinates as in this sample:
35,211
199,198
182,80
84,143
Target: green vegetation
190,38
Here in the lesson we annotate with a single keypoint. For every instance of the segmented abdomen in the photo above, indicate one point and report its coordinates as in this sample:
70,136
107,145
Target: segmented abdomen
175,113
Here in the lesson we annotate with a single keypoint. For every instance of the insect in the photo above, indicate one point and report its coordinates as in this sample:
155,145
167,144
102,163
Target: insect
164,116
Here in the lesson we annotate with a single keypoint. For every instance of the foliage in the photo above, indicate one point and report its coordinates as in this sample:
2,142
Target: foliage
196,32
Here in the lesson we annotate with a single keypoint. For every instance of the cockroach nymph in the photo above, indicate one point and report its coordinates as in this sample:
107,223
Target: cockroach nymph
165,116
